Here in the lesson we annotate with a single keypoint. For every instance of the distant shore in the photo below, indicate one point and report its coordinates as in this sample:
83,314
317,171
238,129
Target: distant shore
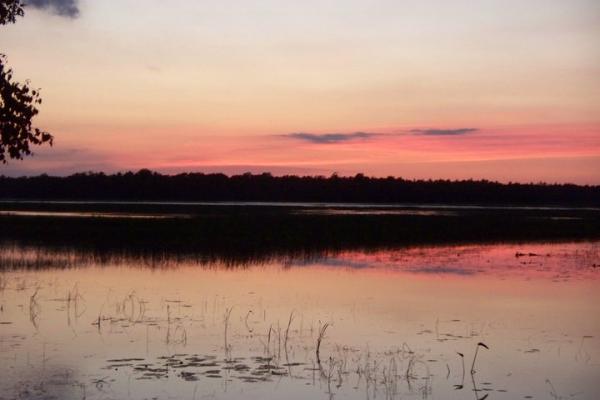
148,186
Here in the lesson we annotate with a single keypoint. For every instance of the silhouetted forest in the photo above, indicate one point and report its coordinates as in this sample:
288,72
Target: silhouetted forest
148,185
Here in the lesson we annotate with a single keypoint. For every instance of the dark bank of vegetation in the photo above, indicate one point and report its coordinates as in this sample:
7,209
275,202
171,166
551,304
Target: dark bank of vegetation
242,235
151,186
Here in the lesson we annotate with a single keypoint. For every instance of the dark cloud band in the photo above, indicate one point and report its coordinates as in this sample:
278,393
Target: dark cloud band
329,138
64,8
443,132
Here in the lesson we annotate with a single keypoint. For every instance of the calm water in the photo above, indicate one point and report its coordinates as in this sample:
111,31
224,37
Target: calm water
394,324
261,204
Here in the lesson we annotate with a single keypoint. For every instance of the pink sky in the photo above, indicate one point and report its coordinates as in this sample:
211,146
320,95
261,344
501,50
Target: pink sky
207,86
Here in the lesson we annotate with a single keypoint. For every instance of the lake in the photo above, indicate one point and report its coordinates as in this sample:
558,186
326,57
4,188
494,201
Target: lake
120,316
396,323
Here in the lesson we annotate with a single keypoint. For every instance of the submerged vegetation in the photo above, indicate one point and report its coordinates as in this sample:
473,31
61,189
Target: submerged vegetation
106,276
108,327
242,235
334,368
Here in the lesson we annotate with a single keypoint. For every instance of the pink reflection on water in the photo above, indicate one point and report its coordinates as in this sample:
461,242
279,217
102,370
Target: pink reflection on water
558,262
534,305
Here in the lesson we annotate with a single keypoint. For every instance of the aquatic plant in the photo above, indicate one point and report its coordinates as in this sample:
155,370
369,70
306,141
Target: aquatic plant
226,323
475,356
320,338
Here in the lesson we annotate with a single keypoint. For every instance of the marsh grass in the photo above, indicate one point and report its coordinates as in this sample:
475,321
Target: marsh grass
226,319
385,373
388,375
73,302
248,327
462,382
322,331
239,237
287,331
480,344
34,308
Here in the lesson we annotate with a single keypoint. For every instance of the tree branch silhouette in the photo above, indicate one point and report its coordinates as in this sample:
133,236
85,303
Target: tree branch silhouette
18,102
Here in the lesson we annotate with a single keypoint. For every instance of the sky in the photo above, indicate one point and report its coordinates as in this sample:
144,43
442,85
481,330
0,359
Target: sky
504,90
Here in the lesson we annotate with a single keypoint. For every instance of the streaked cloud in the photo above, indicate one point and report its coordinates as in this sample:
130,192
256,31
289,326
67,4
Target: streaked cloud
64,8
330,138
444,132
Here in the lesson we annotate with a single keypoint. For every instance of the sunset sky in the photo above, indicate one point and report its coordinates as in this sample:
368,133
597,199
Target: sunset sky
506,90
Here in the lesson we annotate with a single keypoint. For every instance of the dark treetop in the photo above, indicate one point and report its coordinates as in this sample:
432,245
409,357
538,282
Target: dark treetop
146,185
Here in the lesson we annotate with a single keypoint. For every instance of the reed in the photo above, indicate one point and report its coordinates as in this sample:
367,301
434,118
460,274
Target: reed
226,323
34,308
287,331
462,382
322,331
475,356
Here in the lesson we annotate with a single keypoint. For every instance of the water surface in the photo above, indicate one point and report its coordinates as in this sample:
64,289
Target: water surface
74,325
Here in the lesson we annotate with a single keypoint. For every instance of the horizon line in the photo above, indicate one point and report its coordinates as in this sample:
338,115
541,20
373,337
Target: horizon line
309,176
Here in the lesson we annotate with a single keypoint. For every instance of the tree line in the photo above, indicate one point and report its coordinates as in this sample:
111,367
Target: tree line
146,185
